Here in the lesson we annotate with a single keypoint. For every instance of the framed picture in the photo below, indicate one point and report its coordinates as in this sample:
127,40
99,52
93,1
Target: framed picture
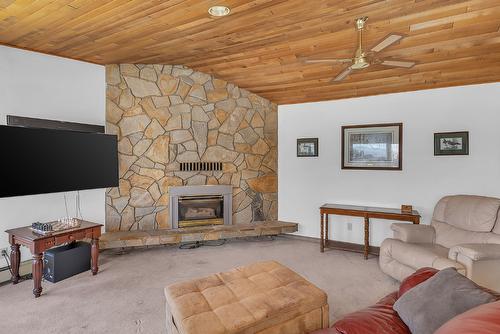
307,147
372,146
451,143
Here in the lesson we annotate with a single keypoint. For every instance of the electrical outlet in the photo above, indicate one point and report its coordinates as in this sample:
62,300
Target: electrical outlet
349,226
4,251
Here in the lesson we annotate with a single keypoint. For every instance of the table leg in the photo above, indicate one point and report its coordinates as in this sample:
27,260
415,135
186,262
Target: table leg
326,230
15,261
37,267
95,255
321,244
367,236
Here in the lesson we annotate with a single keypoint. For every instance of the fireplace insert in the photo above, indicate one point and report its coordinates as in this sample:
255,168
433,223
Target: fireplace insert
192,206
201,210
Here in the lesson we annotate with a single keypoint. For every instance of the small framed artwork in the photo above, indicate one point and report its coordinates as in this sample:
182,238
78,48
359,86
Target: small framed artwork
307,147
451,143
372,146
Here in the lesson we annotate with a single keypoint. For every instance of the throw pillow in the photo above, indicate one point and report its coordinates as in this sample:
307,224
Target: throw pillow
432,303
419,276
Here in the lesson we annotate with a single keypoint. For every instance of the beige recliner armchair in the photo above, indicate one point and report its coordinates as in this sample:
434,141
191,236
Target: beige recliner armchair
464,233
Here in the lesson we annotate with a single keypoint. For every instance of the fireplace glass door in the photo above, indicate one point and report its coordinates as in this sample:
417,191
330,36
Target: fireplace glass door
201,210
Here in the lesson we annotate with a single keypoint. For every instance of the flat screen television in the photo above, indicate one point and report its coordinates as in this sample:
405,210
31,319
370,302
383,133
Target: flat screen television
38,161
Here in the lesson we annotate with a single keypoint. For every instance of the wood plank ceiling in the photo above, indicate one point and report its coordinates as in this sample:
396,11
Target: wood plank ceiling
259,46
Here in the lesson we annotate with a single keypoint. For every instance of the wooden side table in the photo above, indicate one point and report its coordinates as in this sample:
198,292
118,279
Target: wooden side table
366,213
38,244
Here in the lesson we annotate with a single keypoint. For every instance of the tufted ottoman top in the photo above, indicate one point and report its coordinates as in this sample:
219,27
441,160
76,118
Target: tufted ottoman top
252,296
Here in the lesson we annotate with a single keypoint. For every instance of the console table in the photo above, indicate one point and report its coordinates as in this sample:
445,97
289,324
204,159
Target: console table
366,213
38,243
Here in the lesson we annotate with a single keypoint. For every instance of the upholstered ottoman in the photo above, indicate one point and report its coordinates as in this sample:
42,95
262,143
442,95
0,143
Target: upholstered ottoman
264,297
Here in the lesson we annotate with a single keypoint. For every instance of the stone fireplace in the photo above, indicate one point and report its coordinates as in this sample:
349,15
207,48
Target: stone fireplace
178,127
200,205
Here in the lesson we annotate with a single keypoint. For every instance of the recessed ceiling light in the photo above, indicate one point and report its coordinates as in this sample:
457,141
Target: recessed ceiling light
219,11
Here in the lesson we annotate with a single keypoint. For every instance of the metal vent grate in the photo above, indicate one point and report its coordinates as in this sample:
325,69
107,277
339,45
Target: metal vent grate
200,166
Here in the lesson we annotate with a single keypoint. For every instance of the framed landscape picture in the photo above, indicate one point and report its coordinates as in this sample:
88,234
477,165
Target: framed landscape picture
451,143
372,146
307,147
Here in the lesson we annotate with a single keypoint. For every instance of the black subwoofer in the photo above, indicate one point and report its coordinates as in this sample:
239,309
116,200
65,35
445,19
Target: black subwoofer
65,261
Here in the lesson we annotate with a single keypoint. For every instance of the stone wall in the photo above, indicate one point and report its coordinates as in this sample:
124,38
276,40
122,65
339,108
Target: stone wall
164,115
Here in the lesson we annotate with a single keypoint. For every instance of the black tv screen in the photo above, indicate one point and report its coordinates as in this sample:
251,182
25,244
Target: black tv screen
38,161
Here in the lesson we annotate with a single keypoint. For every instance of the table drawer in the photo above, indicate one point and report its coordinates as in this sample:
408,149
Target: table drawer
48,243
69,237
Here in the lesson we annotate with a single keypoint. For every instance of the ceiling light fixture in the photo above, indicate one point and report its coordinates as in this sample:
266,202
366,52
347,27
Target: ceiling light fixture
219,11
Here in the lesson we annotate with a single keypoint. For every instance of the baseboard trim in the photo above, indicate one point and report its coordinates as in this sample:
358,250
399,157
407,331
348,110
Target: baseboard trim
339,245
24,269
300,237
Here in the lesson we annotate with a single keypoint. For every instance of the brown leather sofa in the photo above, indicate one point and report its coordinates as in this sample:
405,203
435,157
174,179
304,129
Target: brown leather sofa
382,319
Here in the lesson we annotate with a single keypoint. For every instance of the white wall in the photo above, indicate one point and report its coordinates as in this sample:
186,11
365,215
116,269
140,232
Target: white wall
37,85
307,183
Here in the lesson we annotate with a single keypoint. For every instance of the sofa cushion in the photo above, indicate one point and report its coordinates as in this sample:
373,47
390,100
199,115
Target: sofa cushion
447,294
448,236
484,319
376,319
471,213
415,279
421,255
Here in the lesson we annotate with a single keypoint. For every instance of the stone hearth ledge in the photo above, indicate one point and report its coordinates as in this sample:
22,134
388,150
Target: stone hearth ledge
121,239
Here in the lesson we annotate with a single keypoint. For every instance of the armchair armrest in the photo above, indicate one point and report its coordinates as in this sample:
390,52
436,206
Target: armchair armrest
476,252
413,233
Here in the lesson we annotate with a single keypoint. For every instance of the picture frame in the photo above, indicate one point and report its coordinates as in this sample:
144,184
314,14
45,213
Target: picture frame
372,146
307,147
451,143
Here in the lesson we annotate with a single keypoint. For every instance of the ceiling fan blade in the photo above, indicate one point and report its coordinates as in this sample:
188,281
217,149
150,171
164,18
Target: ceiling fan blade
386,42
341,76
398,63
328,60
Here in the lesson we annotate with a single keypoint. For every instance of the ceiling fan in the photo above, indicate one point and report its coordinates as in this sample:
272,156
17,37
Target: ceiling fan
362,58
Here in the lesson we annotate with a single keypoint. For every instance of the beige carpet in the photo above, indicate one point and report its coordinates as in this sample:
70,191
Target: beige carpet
127,294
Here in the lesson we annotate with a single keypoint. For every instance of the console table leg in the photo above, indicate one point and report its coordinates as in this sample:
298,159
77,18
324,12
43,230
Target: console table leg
15,261
321,239
95,255
326,231
367,236
37,274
